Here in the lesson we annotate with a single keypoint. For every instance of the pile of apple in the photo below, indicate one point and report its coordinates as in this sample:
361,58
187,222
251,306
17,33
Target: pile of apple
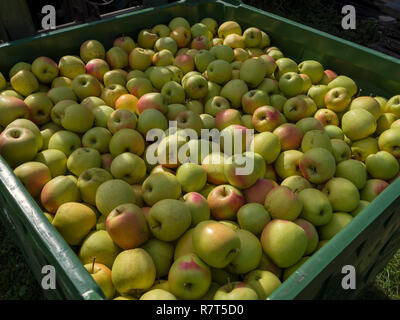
75,134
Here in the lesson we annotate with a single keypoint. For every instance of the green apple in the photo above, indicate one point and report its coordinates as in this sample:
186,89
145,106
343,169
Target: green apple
234,90
287,163
101,115
181,35
127,140
162,254
215,243
393,105
312,235
346,82
358,124
140,59
203,59
216,104
296,108
208,121
249,255
129,167
12,108
223,52
82,159
386,121
316,139
253,217
317,93
372,189
316,206
196,87
296,183
198,207
236,291
284,242
263,282
284,65
309,123
24,82
112,193
184,245
254,99
354,171
57,112
188,119
77,118
71,66
214,166
89,181
159,186
86,85
61,93
267,145
337,99
18,145
133,270
338,222
166,43
282,203
127,226
101,274
313,69
34,175
95,67
189,277
225,201
234,41
191,176
290,136
40,107
253,71
168,219
266,118
317,165
73,221
139,86
342,194
92,49
55,160
98,245
97,138
66,82
382,165
367,103
219,71
291,84
173,93
389,141
27,124
362,148
157,294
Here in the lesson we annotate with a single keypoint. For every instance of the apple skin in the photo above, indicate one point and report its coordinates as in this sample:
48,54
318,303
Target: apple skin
338,222
74,221
214,166
139,86
328,76
160,186
111,194
327,117
266,118
45,69
358,124
236,291
254,99
28,124
282,203
39,108
389,141
77,118
189,277
259,190
127,226
89,181
267,145
71,66
393,105
311,233
224,202
157,294
284,242
249,255
101,274
188,119
354,171
33,175
362,148
18,145
296,183
316,207
342,194
55,160
317,165
181,35
313,69
121,118
309,123
337,99
198,207
162,254
12,108
382,165
24,82
263,282
127,140
82,159
92,49
290,136
386,121
215,243
253,217
97,138
253,72
372,189
291,84
168,219
234,90
295,109
191,176
152,100
99,245
316,139
97,68
140,59
133,270
367,103
287,164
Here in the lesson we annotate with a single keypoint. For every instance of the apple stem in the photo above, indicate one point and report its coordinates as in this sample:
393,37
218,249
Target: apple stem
229,284
94,260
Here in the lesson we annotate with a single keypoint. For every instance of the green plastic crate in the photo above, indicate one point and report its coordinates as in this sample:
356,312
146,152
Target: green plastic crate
367,243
